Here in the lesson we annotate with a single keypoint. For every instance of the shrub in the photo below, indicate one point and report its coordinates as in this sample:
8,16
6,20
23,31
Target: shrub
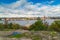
14,26
1,26
55,26
38,25
9,26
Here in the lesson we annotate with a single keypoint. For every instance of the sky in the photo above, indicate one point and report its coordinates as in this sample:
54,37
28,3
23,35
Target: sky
29,8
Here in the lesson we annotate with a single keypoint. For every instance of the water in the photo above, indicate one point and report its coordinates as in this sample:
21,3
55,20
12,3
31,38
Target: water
1,21
50,21
25,22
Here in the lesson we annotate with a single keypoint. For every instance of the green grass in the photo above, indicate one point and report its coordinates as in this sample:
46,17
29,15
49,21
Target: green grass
16,36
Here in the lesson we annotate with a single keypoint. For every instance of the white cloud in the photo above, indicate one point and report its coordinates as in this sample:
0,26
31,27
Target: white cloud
16,4
50,2
29,9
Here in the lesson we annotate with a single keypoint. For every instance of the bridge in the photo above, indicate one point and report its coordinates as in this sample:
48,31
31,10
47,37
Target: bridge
6,19
27,18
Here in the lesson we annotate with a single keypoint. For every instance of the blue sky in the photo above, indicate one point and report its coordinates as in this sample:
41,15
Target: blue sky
42,1
7,1
56,2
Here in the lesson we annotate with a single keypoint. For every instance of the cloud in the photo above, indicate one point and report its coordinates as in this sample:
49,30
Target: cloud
50,2
16,4
22,8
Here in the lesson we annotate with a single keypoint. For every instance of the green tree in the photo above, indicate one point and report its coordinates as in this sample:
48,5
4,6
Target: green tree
13,26
38,25
38,18
10,25
1,26
55,26
16,26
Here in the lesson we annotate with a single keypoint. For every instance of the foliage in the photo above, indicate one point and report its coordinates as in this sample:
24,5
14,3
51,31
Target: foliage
55,26
38,25
16,36
14,26
35,37
1,26
53,33
9,26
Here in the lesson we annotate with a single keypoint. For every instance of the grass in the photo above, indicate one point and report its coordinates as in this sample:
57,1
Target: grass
36,36
16,36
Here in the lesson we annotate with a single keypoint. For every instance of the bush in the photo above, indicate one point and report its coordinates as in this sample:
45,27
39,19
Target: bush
1,26
14,26
38,25
9,26
55,26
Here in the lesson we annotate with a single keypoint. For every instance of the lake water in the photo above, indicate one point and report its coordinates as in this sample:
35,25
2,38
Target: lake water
25,22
